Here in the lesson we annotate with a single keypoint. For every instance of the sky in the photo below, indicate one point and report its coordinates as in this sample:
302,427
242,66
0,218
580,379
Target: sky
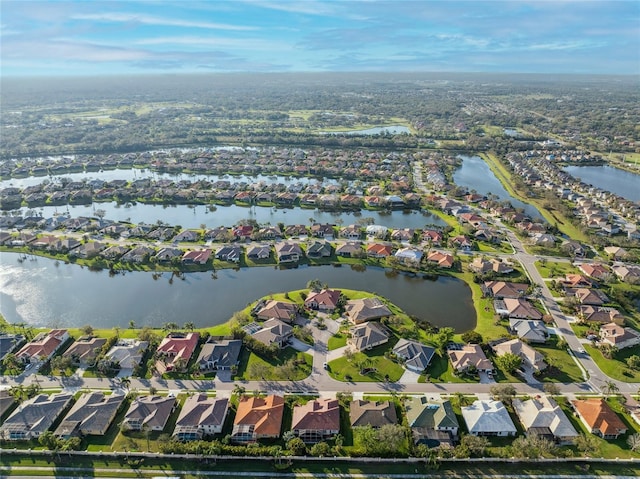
95,37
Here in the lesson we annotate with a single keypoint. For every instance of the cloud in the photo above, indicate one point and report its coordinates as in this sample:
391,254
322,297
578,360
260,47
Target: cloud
218,42
158,21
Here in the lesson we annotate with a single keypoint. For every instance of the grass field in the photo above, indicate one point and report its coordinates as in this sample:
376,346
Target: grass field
616,368
555,269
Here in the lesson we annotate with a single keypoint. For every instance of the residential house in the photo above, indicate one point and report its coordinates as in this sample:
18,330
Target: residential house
165,255
322,231
469,355
258,418
488,418
187,236
416,356
409,256
461,242
91,415
367,335
114,252
175,350
377,250
616,252
326,300
366,309
377,231
351,232
149,412
599,418
595,270
601,314
231,253
319,249
296,231
350,249
593,297
139,254
432,421
317,420
542,416
43,346
278,310
628,273
576,281
617,336
529,356
259,252
84,351
6,402
442,259
483,266
89,250
372,413
219,234
34,416
196,256
201,416
127,353
9,343
220,355
433,237
528,330
503,289
242,232
288,252
516,308
543,239
404,235
274,331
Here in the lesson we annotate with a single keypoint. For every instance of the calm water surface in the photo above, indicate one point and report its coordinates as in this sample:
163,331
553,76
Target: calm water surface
378,130
620,182
42,294
475,174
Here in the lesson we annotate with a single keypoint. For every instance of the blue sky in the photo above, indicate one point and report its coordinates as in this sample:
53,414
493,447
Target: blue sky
115,37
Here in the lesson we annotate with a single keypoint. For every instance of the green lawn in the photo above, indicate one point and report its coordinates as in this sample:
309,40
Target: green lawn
562,368
342,367
616,368
554,269
441,371
304,362
336,341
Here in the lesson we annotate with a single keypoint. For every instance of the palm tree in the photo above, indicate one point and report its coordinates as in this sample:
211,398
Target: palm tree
189,326
610,387
125,383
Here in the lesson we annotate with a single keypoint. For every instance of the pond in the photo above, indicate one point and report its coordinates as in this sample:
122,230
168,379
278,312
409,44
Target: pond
622,183
475,174
41,293
378,130
192,216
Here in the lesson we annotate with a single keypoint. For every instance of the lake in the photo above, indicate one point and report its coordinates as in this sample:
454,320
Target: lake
622,183
43,294
475,174
192,216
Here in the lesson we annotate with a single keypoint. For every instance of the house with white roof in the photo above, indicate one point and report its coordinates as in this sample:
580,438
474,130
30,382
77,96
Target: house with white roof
542,416
488,418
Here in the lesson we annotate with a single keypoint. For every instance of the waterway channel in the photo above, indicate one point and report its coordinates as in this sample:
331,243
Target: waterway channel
43,292
475,174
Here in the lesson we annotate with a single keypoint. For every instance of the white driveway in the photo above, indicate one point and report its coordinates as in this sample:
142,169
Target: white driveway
409,377
299,345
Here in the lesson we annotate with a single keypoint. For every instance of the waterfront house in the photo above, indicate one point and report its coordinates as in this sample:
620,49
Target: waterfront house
220,234
200,415
127,353
274,331
322,231
220,355
138,254
242,232
317,420
319,249
442,259
432,421
469,355
91,415
351,232
259,252
175,350
416,356
9,343
34,416
288,252
372,413
258,418
189,236
43,346
88,250
278,310
529,330
166,255
620,337
409,256
488,418
529,356
404,235
294,231
84,351
378,250
599,418
377,231
231,253
114,252
325,300
367,335
350,249
503,289
480,265
366,309
542,416
195,256
149,412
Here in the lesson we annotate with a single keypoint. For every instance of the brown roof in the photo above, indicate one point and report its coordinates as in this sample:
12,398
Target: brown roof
319,415
278,309
599,416
327,297
264,413
376,414
43,345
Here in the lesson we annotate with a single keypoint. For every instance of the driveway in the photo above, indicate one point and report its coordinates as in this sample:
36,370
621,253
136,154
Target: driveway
299,345
485,378
409,377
